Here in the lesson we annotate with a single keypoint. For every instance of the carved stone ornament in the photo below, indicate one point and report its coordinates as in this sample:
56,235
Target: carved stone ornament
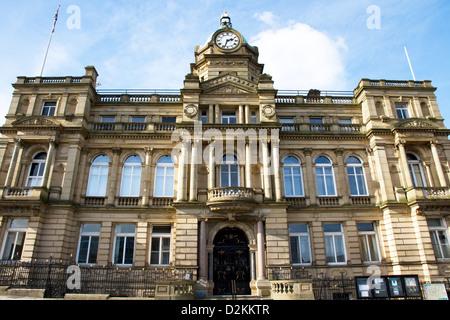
191,110
268,111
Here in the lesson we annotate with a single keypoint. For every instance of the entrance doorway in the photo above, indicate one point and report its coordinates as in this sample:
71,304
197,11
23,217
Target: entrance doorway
231,267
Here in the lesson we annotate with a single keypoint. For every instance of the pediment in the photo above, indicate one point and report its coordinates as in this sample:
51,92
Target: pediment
36,121
416,124
228,84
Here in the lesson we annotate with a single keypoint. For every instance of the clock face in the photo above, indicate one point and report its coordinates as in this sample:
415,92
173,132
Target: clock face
227,40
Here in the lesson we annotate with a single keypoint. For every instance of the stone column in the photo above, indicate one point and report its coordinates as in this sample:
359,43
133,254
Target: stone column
241,114
248,165
18,147
437,163
72,169
217,113
146,176
263,285
311,183
261,251
181,187
194,177
247,114
276,168
383,174
407,179
211,114
111,189
203,269
266,168
49,164
212,166
79,182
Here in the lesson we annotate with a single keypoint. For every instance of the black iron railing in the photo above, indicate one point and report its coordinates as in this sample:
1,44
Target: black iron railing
57,279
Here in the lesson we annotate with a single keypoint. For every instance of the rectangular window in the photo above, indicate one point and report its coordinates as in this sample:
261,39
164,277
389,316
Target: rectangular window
48,109
300,244
229,117
160,246
108,119
316,124
368,242
439,238
88,243
204,116
287,124
402,110
14,239
138,119
315,120
334,243
345,121
253,117
124,244
169,119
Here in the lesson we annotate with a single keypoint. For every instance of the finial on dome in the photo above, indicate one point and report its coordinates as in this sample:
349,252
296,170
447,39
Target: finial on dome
225,20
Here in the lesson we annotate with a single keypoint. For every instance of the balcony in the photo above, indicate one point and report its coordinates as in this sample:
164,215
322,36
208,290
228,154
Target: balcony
231,199
427,193
25,193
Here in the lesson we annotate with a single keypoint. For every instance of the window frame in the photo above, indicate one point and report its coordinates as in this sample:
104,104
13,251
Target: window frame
108,119
101,166
41,163
231,115
88,234
226,163
324,175
297,236
51,110
402,110
160,252
364,236
334,235
15,231
416,164
362,176
292,177
133,177
126,236
438,230
165,177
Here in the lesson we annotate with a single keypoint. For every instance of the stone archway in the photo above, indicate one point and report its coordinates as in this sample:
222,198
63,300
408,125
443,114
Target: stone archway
231,262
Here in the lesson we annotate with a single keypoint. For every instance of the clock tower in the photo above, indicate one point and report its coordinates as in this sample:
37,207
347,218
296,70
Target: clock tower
226,52
227,75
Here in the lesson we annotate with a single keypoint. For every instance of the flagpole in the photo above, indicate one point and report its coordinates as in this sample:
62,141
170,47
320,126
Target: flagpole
50,40
410,66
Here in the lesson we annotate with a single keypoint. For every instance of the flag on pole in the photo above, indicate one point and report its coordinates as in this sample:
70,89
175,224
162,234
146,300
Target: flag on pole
50,39
56,19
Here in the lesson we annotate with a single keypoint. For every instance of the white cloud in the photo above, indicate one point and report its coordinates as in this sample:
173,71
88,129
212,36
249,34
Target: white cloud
300,57
266,17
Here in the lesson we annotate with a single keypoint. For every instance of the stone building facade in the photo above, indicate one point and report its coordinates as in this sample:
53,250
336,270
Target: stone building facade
227,177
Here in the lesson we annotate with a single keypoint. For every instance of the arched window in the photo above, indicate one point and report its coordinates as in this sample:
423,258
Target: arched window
325,177
229,171
293,180
98,177
356,177
415,168
36,172
131,177
164,177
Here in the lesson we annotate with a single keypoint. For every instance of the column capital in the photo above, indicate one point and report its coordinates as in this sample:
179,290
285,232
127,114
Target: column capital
149,150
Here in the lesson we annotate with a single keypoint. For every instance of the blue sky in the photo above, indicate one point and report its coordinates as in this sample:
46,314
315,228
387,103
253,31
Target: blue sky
138,44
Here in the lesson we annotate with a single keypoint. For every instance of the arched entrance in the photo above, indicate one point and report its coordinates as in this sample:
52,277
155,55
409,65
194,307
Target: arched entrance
231,257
